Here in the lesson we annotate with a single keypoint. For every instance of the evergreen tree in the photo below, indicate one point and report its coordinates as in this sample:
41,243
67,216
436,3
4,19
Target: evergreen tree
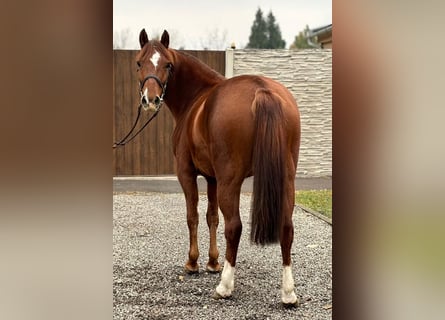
265,34
258,33
275,41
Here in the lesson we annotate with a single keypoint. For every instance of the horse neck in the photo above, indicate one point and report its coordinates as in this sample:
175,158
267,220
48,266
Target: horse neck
190,80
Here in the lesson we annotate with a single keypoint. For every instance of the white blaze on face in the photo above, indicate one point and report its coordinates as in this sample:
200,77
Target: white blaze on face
155,58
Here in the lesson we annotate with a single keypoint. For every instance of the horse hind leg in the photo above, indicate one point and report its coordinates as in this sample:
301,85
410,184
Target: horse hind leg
288,296
212,222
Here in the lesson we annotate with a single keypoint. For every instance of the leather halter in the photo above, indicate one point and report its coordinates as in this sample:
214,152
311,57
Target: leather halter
158,103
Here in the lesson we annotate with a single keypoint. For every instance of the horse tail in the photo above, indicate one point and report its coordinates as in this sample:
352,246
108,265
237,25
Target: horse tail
268,168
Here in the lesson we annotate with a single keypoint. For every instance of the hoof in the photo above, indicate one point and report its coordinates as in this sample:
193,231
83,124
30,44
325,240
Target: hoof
191,269
213,268
290,305
217,296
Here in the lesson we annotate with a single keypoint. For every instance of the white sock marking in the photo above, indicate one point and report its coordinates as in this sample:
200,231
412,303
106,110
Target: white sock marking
287,290
225,287
155,58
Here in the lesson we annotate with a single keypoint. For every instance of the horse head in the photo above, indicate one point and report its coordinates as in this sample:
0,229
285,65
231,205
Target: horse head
154,63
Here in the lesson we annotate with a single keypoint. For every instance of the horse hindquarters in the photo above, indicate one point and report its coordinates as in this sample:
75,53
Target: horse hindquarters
274,169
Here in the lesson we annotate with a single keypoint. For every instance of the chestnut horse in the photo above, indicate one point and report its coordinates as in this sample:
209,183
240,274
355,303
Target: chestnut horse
227,130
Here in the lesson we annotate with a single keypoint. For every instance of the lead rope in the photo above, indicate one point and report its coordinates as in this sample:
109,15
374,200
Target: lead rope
158,107
123,142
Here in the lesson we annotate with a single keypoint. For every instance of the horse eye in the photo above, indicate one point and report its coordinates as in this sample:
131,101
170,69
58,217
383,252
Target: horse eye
138,63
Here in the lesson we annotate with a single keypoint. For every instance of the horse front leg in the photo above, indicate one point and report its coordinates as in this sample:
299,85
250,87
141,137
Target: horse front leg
228,198
188,183
212,222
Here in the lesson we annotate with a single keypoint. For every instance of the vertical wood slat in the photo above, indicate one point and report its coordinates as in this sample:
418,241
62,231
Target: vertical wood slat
151,153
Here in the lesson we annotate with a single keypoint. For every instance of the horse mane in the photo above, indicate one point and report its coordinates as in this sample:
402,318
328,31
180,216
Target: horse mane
204,69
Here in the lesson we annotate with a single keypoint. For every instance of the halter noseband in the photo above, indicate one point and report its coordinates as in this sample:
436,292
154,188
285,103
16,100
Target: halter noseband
158,81
158,103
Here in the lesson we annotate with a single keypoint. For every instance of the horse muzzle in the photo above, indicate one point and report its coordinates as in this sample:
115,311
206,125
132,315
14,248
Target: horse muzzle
150,104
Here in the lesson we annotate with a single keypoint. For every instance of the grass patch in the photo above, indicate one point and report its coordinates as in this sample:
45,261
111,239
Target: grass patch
317,200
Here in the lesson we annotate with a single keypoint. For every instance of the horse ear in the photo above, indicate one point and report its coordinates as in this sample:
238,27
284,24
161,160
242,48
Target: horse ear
143,38
165,39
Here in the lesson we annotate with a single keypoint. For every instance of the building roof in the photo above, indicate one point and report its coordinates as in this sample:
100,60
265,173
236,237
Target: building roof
323,34
320,30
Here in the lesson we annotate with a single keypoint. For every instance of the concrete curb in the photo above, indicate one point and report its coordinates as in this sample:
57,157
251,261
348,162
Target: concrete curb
315,213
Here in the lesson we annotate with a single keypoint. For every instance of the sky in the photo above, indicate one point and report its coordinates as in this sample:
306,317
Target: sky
199,24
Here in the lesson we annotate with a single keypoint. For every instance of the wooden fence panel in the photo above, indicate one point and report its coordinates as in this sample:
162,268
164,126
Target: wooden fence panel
151,153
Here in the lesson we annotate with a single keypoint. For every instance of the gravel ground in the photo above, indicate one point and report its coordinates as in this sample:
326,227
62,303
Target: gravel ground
150,246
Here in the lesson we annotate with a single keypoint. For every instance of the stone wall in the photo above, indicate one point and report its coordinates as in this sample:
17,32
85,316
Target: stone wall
308,75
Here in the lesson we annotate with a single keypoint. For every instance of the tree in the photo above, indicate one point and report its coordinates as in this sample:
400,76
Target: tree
265,34
214,40
300,41
122,39
275,41
258,32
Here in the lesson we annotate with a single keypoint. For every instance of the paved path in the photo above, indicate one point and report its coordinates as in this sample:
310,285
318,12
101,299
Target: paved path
170,184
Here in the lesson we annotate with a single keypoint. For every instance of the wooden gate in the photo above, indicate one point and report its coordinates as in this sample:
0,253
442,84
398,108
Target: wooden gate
151,153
